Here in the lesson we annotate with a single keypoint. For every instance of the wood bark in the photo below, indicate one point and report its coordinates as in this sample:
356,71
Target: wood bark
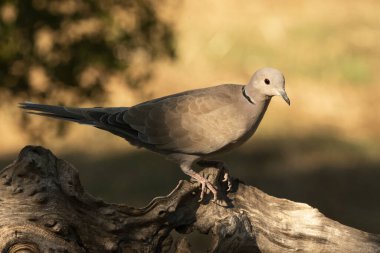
43,208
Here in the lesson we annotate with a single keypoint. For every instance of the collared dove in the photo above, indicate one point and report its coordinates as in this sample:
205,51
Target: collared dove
189,126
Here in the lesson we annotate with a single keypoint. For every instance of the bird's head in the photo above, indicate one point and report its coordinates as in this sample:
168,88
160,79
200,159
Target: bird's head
269,82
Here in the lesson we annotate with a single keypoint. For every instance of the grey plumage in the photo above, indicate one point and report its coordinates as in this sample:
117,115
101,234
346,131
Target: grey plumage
187,126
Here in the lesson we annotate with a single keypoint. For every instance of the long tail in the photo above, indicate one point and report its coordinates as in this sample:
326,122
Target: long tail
80,115
106,118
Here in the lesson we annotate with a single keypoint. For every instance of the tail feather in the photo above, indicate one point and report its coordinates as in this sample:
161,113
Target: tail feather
58,112
102,118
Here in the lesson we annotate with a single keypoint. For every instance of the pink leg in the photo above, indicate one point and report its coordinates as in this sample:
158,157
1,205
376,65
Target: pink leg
205,184
220,165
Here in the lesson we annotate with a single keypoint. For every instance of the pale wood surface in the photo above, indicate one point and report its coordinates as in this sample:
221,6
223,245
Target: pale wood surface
43,208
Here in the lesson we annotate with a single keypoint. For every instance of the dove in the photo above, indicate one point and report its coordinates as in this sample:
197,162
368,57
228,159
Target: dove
187,127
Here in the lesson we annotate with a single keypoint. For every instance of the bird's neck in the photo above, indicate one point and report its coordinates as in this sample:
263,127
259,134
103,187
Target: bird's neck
254,95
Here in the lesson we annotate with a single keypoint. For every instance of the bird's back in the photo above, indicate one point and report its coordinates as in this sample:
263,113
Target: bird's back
195,122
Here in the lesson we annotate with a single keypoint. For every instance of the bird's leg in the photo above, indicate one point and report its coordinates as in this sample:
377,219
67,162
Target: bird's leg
219,165
205,184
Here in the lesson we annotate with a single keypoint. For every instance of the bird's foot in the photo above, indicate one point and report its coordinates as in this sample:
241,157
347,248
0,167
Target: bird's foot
227,178
206,187
221,166
212,179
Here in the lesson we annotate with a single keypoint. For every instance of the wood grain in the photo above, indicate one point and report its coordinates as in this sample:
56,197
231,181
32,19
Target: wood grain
43,208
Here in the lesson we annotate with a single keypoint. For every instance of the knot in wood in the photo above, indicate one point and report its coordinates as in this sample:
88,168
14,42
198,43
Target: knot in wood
24,248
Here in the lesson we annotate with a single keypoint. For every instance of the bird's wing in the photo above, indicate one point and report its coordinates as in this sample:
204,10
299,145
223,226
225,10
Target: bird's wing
197,122
194,122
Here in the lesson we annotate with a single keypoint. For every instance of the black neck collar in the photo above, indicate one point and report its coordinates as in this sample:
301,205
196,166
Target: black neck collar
246,96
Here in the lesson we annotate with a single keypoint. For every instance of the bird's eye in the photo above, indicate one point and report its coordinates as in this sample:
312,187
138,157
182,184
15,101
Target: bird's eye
267,81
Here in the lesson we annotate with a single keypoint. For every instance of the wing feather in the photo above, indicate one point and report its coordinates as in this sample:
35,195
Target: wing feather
194,122
191,123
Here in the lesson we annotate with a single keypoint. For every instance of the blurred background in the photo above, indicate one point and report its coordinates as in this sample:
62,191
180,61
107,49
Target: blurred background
323,150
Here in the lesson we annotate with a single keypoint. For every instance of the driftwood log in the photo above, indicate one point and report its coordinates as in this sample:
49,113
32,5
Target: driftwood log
43,208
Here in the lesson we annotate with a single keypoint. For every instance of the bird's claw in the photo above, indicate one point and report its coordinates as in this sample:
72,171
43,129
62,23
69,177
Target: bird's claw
221,166
207,187
227,178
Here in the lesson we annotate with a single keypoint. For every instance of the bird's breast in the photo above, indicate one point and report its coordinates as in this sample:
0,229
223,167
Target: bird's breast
245,125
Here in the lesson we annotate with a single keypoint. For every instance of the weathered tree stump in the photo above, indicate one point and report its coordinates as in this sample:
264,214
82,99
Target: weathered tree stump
43,208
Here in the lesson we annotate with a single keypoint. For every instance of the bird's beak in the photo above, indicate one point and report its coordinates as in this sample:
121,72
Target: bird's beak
285,97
